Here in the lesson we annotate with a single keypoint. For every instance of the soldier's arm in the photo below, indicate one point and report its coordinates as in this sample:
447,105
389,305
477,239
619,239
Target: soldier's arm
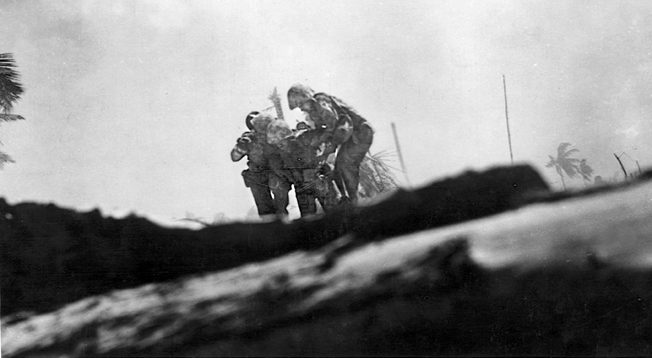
236,154
328,118
241,147
323,109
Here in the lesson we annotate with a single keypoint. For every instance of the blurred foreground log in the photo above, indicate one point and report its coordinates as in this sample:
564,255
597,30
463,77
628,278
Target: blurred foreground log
570,277
52,256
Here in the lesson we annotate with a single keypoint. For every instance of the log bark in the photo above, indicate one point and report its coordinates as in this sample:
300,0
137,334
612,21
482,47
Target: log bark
568,277
53,256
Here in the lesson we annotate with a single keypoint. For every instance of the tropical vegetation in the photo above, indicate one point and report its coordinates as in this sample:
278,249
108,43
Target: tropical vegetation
565,164
10,91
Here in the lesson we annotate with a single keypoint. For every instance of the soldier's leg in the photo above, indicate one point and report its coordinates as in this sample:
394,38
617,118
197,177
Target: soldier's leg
258,184
339,183
306,201
336,176
327,194
280,189
347,165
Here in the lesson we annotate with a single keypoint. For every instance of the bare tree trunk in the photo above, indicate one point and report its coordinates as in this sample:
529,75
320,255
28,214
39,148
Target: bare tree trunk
509,133
621,166
563,184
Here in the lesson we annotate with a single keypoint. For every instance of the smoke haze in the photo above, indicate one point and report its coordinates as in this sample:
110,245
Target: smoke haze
135,105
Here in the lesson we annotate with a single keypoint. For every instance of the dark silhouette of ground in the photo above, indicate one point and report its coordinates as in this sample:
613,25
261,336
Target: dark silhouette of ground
569,276
51,256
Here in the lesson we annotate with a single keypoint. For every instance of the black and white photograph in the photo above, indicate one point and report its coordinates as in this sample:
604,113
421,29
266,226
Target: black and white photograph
439,178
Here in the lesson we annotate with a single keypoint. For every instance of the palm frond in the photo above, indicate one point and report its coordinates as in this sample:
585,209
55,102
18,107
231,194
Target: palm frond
5,158
568,153
10,87
564,163
376,175
585,170
569,168
562,148
551,163
10,117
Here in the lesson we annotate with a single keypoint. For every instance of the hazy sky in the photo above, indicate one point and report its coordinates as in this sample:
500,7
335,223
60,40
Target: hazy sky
135,105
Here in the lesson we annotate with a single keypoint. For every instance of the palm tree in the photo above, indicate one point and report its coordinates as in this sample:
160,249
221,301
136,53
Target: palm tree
585,170
10,91
10,88
563,163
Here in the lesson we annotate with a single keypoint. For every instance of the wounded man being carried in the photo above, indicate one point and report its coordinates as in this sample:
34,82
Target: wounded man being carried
278,158
312,175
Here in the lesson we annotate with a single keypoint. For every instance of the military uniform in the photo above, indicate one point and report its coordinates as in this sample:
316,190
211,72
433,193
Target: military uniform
340,125
265,175
301,160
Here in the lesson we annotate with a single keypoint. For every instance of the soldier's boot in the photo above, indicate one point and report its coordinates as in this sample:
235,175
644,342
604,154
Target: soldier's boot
306,202
328,198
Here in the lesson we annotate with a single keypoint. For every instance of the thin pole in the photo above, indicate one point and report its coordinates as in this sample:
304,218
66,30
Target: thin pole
621,165
400,156
509,134
276,100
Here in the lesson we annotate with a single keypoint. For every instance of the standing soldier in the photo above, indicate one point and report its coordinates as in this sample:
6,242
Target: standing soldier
265,175
339,125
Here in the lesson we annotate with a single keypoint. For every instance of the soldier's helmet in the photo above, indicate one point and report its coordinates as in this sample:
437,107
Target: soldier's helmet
298,94
249,117
278,131
260,122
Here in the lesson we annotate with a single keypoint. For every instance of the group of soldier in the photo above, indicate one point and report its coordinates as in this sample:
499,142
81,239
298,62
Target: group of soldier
280,157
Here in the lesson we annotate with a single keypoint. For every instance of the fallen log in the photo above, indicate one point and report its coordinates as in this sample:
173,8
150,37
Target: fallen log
53,256
570,277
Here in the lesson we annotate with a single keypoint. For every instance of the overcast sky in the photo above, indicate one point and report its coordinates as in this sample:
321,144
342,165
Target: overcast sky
135,105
